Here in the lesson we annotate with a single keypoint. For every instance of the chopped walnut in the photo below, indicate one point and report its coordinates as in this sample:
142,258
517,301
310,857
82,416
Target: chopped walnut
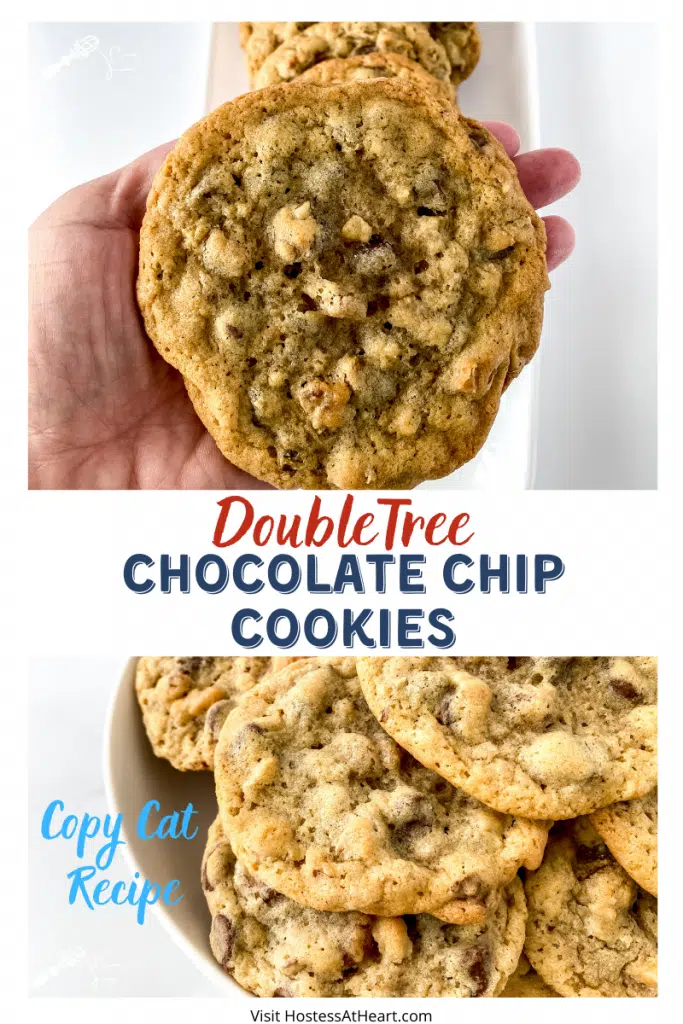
262,774
497,238
333,301
382,349
196,701
391,935
644,971
406,421
325,403
294,230
225,256
485,279
466,709
349,370
267,405
356,230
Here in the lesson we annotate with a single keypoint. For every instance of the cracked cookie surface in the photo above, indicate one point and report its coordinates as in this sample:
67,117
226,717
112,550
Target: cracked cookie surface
629,829
347,279
322,805
184,702
370,66
272,946
544,737
591,931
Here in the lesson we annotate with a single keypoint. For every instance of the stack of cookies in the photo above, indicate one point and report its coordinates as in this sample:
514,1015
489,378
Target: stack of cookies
436,56
422,826
343,267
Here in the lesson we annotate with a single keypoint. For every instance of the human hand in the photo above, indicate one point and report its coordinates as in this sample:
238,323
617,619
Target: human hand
546,175
105,410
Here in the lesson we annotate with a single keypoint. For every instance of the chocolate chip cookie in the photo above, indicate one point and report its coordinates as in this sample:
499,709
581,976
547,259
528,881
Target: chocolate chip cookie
322,805
184,702
543,737
371,66
273,946
458,41
462,43
591,930
259,39
347,279
629,829
326,39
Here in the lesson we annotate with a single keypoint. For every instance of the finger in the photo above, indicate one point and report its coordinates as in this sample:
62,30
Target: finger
131,184
561,238
505,134
547,174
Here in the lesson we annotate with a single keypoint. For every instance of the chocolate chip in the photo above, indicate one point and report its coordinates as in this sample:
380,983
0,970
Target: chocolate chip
625,689
223,939
193,665
500,254
374,257
444,712
292,270
247,732
215,717
405,836
591,859
283,993
477,965
479,137
513,663
588,854
425,211
263,891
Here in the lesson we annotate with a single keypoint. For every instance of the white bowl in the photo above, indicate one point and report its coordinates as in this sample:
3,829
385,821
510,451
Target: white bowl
132,776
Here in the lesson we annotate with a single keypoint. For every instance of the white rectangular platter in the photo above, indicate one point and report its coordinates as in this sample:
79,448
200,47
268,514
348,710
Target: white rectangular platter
502,88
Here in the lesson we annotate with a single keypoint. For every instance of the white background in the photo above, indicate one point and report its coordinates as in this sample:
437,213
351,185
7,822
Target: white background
597,82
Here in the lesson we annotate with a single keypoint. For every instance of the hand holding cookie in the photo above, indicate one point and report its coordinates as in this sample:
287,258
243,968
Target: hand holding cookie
391,289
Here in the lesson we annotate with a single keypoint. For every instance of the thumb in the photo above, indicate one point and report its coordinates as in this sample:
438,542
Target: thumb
116,200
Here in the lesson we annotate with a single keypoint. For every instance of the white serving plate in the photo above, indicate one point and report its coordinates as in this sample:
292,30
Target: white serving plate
132,776
502,88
